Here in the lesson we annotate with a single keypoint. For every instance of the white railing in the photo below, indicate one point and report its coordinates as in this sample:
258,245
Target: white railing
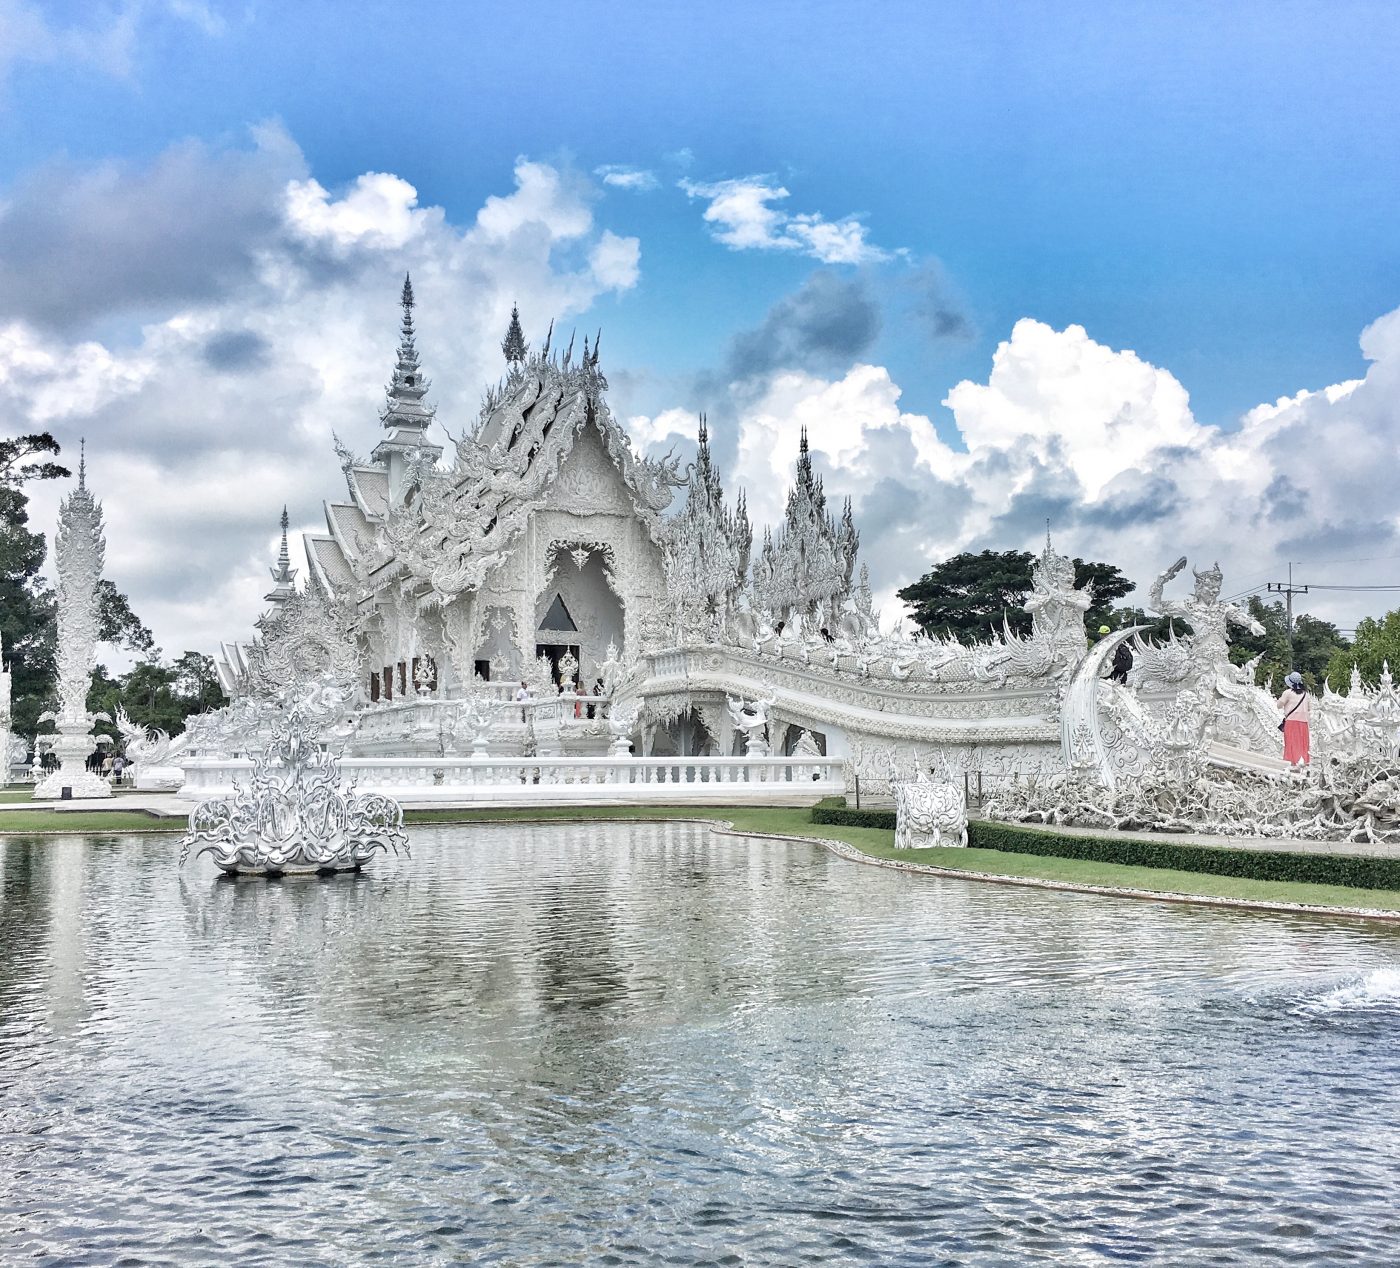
658,780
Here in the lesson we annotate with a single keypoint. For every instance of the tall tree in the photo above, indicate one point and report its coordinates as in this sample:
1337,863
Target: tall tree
970,595
1314,643
1377,644
26,608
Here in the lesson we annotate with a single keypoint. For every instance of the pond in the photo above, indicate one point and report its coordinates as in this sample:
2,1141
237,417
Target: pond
649,1043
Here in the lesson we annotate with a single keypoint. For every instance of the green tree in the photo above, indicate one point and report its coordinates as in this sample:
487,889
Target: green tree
1314,643
970,595
118,625
1377,643
158,695
1158,628
197,683
26,608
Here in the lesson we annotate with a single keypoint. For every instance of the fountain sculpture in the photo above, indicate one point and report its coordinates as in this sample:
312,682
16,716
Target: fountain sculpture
295,818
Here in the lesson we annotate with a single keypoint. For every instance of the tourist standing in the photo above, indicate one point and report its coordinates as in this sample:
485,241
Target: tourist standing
1296,710
522,694
118,765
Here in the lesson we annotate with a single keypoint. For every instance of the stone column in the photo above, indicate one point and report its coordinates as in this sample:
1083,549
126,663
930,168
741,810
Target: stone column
79,552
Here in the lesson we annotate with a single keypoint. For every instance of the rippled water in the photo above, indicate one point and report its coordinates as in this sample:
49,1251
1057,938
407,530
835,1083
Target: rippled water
652,1044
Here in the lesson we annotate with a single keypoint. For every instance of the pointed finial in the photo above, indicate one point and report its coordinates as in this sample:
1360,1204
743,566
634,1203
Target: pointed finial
82,462
283,575
548,337
704,431
407,298
1048,550
597,342
513,346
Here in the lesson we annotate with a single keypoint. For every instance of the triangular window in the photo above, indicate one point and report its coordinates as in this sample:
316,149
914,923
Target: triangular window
558,618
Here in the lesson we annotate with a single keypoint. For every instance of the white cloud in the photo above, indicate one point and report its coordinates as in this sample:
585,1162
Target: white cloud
741,216
1103,443
637,180
648,431
380,211
616,262
222,407
543,201
107,42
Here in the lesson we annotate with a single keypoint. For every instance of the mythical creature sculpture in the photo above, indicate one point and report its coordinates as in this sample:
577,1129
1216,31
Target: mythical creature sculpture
1209,617
150,752
928,813
751,717
295,817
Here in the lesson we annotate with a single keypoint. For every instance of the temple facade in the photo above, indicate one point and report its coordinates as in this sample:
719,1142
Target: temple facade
540,548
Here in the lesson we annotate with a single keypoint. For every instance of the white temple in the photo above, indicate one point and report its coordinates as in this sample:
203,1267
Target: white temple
661,649
539,550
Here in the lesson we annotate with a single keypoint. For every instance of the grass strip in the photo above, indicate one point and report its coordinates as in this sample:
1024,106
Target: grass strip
30,822
1350,871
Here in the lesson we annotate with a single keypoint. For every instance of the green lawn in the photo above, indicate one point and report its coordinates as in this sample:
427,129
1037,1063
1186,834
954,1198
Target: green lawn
794,821
28,822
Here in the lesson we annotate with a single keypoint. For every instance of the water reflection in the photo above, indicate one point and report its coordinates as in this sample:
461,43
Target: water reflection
563,1044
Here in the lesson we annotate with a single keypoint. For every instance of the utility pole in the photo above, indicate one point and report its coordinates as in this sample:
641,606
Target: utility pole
1288,590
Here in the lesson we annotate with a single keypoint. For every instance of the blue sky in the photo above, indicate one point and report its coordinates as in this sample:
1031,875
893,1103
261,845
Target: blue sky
1212,187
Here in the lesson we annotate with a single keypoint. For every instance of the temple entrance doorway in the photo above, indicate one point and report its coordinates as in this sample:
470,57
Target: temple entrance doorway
579,612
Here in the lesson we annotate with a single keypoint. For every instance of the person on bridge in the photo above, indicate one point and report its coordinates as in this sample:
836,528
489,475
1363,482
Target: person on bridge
1295,705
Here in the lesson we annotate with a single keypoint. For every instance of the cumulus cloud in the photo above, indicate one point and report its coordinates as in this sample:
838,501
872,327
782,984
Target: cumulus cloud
219,407
741,215
637,180
1097,440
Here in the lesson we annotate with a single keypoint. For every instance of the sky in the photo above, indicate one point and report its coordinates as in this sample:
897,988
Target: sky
1134,269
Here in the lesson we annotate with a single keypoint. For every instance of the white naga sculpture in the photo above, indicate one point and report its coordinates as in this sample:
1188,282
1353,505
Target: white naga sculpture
79,552
929,813
150,752
295,818
751,717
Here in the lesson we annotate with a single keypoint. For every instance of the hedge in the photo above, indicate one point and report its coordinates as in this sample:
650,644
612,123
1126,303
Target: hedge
825,812
1355,871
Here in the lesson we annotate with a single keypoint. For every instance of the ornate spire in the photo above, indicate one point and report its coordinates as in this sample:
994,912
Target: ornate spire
82,463
407,388
513,345
283,575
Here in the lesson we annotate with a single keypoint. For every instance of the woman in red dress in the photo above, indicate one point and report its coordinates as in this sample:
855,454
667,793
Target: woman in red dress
1295,706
